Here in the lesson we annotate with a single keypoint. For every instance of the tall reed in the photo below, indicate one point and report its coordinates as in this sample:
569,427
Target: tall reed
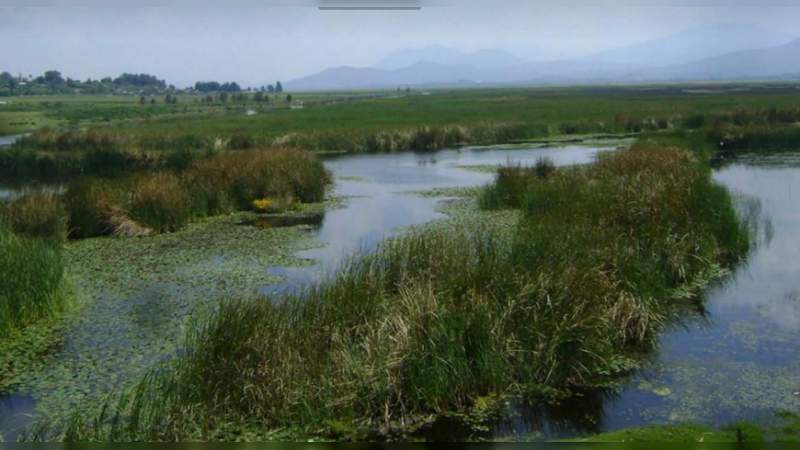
33,281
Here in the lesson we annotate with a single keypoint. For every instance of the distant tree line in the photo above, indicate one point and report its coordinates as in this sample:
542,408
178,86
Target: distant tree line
215,86
53,82
142,84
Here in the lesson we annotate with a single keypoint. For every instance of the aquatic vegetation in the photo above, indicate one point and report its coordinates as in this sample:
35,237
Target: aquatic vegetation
138,294
512,182
785,427
160,201
164,201
446,315
758,138
421,139
237,179
93,207
36,214
33,280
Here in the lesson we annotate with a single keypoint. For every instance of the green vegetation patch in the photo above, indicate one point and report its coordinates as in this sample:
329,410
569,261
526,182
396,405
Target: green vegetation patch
137,295
16,122
470,308
33,281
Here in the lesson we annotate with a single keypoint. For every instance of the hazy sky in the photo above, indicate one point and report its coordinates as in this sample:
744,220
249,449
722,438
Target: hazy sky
259,41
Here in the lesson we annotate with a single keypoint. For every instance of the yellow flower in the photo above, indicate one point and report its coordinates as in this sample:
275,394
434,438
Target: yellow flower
262,203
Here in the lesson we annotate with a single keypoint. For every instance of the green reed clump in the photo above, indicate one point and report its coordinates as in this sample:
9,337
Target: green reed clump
92,205
731,140
421,139
33,279
165,201
37,215
235,179
50,139
511,184
159,201
436,319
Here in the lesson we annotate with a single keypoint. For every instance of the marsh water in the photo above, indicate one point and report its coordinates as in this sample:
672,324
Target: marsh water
9,139
736,360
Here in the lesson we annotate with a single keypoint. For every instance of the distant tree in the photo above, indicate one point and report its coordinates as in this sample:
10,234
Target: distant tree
209,99
206,86
289,98
168,99
53,78
271,88
278,87
153,101
142,100
258,96
230,87
139,80
223,97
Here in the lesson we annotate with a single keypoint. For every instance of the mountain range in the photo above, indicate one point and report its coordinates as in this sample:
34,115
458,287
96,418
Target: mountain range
724,52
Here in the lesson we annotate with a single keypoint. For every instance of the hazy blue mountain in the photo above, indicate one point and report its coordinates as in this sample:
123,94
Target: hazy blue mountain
447,56
691,45
433,74
716,52
772,62
423,73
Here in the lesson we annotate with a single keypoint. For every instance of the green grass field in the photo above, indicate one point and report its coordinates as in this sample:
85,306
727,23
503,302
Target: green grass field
595,108
598,107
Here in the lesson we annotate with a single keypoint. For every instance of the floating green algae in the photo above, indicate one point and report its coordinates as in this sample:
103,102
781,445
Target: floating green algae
136,295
